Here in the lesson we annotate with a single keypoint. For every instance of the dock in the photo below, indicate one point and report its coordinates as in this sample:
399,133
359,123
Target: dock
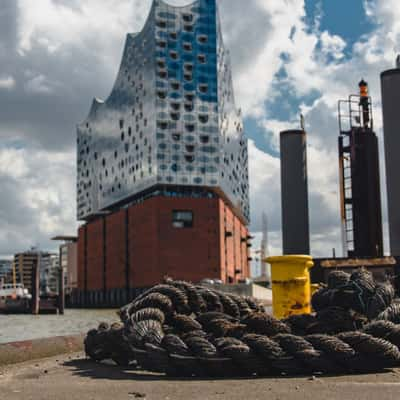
72,377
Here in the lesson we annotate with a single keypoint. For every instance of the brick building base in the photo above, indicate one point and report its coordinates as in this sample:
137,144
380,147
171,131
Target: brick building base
123,253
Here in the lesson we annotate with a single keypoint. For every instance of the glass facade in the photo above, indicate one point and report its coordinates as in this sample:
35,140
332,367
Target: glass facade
170,118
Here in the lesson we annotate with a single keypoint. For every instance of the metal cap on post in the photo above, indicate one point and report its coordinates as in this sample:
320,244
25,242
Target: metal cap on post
294,191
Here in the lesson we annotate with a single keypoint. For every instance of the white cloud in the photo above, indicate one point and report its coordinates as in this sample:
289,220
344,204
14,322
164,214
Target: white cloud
332,45
81,41
39,84
264,188
38,200
7,82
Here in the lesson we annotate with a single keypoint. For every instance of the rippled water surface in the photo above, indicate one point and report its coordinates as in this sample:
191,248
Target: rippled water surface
27,327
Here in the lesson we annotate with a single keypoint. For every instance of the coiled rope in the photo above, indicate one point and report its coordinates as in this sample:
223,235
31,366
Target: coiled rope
180,329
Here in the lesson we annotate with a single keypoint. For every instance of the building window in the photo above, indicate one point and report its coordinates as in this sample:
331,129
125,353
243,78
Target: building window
175,85
202,39
190,127
162,44
187,17
182,219
176,136
203,88
189,107
203,118
175,116
161,24
187,46
189,159
176,106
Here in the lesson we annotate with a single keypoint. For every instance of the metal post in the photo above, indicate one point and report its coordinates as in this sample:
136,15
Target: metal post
294,187
35,288
61,292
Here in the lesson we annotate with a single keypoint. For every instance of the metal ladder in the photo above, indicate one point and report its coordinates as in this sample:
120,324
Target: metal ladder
350,118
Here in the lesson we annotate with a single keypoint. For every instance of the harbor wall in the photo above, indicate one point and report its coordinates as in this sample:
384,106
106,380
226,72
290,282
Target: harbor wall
27,350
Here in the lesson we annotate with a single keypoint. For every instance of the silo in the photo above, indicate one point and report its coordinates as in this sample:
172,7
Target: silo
294,191
390,84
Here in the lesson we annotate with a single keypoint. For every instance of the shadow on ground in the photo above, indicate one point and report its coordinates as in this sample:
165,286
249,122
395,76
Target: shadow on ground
95,370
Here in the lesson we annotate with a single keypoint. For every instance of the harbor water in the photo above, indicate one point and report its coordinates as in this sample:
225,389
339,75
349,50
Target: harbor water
28,327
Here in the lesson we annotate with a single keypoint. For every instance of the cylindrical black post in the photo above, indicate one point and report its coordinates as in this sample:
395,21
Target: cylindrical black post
294,191
35,288
390,81
61,291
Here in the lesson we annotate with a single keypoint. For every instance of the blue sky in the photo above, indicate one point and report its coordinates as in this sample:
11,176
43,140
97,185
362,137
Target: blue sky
346,19
340,17
288,57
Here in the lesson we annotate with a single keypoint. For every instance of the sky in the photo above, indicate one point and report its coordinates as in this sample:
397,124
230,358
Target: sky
288,57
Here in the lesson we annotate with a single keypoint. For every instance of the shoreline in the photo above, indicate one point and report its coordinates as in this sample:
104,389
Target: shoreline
29,350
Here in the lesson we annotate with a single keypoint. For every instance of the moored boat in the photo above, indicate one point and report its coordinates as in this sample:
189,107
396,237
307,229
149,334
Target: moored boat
14,298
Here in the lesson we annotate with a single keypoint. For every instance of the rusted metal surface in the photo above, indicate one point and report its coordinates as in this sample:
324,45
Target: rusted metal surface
357,262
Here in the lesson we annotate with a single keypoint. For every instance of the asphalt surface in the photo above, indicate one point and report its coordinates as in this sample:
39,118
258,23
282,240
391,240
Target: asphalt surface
72,377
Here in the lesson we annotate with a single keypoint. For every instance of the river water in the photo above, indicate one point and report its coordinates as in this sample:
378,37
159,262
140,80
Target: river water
28,327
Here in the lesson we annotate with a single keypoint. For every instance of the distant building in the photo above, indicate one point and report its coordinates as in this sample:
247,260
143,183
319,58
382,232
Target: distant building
26,261
50,273
69,262
5,270
162,163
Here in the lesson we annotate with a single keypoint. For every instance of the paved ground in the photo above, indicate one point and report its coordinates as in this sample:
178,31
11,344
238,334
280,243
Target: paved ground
74,378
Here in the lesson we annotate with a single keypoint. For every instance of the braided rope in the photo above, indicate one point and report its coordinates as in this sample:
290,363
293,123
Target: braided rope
180,329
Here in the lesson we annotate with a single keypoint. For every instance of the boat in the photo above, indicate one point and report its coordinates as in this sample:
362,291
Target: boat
14,298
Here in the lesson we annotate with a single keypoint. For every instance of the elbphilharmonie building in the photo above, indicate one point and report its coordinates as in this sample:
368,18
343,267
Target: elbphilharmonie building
169,139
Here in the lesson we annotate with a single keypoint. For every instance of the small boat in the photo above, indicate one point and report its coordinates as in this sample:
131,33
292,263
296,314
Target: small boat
14,298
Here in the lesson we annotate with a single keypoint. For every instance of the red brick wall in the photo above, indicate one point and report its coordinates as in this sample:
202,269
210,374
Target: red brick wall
237,243
95,255
143,244
157,249
81,257
245,252
221,234
233,249
230,245
115,251
189,253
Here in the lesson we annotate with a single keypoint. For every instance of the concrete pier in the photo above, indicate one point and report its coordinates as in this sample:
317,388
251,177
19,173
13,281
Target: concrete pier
72,377
28,350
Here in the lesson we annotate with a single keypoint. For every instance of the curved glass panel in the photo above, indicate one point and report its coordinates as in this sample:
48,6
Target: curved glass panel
174,86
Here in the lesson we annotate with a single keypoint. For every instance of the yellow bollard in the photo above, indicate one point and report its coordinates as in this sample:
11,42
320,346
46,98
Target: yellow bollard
291,289
314,288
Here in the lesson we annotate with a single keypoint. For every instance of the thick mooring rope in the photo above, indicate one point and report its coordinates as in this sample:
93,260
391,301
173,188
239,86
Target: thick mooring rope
181,329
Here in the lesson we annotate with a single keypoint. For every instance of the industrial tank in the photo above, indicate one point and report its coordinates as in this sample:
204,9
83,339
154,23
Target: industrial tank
294,188
390,84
